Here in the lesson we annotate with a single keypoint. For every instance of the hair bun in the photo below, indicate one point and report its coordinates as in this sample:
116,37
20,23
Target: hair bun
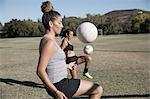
46,6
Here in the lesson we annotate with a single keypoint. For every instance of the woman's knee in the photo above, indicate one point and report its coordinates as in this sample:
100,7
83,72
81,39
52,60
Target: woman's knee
88,58
96,90
99,90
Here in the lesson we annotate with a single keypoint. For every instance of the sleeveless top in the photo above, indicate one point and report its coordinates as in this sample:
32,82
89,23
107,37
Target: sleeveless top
56,68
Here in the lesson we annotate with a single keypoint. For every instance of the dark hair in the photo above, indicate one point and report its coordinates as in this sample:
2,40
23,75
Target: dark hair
48,13
65,32
46,6
49,16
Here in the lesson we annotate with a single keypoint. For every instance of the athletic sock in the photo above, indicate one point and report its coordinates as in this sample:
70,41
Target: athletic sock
85,70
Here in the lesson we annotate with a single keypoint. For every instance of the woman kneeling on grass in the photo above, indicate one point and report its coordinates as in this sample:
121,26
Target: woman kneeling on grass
52,67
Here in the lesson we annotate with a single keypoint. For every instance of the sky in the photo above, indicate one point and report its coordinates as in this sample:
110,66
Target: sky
30,9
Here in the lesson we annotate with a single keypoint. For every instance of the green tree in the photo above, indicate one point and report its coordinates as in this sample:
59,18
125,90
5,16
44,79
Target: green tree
96,19
71,22
147,25
1,26
111,26
138,23
12,28
25,28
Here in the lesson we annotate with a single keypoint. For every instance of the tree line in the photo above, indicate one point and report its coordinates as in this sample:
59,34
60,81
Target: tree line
109,25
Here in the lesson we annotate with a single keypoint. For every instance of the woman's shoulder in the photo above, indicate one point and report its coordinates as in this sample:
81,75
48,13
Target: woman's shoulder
65,40
48,41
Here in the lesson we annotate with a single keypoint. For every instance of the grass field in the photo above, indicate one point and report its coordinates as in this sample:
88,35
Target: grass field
120,64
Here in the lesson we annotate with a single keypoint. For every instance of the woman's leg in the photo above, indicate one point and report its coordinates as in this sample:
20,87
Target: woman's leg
87,60
94,91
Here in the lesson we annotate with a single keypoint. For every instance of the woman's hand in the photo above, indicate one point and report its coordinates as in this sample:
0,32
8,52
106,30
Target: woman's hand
71,65
60,95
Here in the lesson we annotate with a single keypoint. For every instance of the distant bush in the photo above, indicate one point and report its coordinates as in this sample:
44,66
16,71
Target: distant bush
25,28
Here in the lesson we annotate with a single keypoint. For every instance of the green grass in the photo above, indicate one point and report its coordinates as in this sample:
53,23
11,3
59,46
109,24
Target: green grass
120,64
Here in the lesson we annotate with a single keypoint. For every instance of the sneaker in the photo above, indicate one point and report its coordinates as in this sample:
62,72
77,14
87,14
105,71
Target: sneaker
87,75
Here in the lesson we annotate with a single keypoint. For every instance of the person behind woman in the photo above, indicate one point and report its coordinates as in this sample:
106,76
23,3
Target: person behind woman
71,57
52,68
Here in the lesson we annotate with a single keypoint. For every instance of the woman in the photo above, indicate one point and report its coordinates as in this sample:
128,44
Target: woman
52,68
71,57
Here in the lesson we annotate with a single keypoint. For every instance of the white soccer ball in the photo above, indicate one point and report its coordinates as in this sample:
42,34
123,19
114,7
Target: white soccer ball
88,49
87,32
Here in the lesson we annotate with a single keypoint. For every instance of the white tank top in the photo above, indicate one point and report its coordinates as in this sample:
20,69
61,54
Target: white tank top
56,69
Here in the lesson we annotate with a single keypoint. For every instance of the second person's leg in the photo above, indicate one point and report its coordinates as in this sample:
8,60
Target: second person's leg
87,60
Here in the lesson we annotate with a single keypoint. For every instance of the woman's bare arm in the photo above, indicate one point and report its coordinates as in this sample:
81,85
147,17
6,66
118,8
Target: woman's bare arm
46,53
64,44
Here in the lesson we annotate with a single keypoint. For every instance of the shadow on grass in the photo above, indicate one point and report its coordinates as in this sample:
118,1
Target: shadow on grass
25,83
37,85
119,96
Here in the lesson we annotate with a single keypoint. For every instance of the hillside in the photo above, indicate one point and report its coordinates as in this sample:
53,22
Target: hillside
125,15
